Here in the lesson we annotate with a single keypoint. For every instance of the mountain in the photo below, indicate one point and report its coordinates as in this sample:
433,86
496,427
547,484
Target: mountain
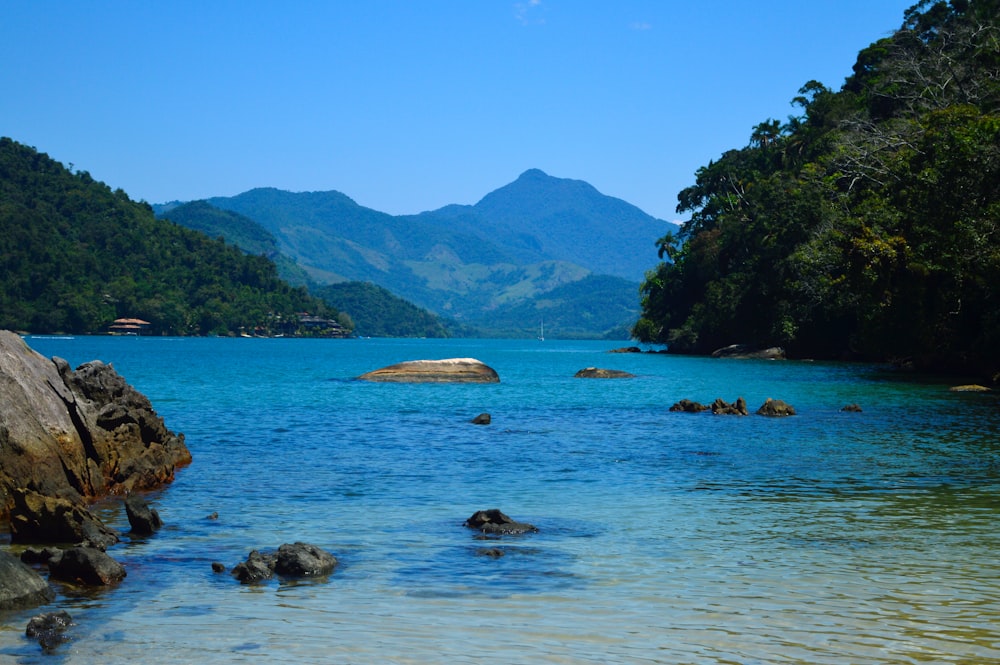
376,312
77,256
470,263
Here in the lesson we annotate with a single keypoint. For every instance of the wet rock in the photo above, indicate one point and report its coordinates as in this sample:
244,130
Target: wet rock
35,518
218,567
492,552
86,565
775,408
599,373
688,406
303,560
494,522
256,569
969,388
852,408
449,370
49,630
213,516
20,586
482,419
722,408
145,521
626,349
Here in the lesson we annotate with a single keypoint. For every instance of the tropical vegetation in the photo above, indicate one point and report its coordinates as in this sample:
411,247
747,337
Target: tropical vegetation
864,226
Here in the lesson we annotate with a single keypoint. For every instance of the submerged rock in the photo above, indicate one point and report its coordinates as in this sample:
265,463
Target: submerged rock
291,560
20,586
853,408
494,522
49,630
449,370
599,373
482,419
775,408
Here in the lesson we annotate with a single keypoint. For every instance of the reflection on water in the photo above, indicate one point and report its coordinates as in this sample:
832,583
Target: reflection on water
664,538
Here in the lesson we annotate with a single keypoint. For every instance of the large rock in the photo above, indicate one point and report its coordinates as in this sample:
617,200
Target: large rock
79,435
20,586
144,520
776,408
449,370
601,373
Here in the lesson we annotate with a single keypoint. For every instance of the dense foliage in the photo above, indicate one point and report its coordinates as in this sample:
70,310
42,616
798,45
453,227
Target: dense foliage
77,255
375,312
867,225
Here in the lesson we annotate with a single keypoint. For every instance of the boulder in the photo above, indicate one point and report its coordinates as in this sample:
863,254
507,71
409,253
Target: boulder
687,406
35,518
86,565
775,408
303,560
722,408
494,522
598,373
77,434
144,520
20,586
482,419
449,370
257,568
747,352
49,630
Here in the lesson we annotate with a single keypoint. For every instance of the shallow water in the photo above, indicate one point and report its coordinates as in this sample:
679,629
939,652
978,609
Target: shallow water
663,537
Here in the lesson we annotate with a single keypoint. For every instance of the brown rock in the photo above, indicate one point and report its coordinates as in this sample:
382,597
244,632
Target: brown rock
688,406
35,518
449,370
775,408
722,408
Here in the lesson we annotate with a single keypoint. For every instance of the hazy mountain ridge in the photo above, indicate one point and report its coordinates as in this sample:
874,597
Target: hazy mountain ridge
468,262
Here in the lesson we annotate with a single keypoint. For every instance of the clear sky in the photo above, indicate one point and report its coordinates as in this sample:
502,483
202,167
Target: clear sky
407,106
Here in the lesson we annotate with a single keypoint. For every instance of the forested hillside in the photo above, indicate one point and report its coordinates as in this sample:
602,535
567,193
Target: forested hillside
376,312
866,225
77,255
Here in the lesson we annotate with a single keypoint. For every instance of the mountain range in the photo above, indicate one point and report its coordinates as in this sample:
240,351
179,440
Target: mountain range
539,248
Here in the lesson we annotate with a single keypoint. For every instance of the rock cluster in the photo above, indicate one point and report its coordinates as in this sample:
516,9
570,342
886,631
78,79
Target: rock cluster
720,407
291,560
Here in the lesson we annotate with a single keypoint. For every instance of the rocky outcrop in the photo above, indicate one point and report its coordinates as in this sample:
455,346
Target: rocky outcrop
494,522
78,435
35,518
20,586
599,373
746,352
775,408
449,370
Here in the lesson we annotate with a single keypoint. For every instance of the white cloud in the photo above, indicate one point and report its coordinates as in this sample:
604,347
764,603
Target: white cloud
528,12
640,25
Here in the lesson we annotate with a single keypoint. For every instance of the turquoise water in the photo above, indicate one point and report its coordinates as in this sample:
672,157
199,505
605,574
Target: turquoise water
663,537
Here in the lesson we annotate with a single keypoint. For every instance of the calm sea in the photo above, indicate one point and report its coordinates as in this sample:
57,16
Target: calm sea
829,537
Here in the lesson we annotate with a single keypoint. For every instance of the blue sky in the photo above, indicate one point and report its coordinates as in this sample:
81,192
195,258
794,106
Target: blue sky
409,106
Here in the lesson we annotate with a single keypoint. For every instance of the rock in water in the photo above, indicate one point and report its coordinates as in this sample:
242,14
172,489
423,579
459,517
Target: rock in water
482,419
86,565
143,519
494,522
303,560
49,629
44,519
775,408
20,586
449,370
599,373
79,435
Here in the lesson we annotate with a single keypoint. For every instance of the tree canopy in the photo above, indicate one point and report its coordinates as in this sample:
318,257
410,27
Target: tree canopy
865,225
77,255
